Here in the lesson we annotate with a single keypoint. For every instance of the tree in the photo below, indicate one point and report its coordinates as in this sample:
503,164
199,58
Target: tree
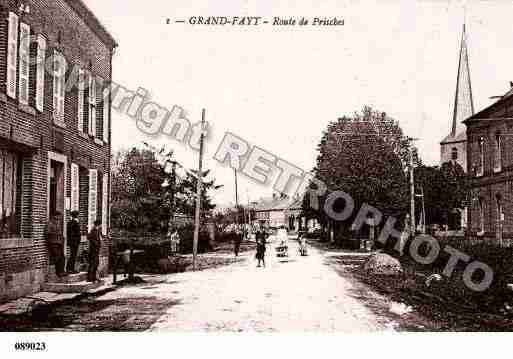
186,193
445,188
136,189
145,194
365,156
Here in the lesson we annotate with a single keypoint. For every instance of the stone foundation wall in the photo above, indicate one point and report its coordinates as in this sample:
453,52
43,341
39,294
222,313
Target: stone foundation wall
15,285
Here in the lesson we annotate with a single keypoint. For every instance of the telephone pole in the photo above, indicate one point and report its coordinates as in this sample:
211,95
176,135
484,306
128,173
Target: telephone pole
412,188
236,199
172,194
199,189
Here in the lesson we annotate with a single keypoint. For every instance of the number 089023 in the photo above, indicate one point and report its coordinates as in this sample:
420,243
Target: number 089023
30,346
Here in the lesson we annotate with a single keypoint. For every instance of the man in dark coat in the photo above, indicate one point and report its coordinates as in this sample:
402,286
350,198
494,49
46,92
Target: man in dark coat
56,243
237,240
74,235
260,237
94,237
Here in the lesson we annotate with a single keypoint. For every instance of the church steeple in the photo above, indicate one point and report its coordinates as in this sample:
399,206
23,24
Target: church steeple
463,101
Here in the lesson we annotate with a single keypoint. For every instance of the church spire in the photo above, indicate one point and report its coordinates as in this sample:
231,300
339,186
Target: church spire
463,101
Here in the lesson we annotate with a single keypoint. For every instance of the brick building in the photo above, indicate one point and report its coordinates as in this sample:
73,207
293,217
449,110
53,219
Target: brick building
55,66
490,162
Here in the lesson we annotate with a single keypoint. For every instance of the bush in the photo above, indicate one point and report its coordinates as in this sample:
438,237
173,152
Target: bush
186,234
498,258
226,237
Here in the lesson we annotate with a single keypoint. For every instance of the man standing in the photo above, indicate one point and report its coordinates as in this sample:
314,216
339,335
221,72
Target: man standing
73,241
56,243
237,241
94,237
260,237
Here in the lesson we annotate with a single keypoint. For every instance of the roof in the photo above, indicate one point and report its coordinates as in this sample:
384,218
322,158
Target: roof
278,204
92,21
460,137
483,114
463,101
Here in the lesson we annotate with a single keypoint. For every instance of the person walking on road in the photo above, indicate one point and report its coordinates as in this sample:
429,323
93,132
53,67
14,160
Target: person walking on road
74,235
94,238
237,241
260,237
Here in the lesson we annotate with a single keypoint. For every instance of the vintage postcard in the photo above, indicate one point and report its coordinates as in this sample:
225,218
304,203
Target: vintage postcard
269,167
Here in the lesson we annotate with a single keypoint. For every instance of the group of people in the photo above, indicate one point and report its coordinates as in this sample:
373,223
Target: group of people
56,245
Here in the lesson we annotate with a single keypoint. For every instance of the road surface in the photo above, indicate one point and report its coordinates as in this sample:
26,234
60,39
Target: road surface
292,294
295,294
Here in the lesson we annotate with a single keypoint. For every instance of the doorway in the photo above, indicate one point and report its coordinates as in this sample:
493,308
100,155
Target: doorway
56,189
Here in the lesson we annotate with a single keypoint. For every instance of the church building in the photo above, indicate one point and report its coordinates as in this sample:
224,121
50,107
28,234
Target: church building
453,147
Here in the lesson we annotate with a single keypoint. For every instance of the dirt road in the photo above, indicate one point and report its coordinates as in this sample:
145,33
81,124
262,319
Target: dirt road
294,294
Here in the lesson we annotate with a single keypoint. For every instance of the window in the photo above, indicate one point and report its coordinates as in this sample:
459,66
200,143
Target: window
454,154
93,198
19,63
40,73
81,101
500,212
100,111
24,54
59,82
106,114
480,163
12,55
92,105
497,166
10,185
481,216
75,187
105,203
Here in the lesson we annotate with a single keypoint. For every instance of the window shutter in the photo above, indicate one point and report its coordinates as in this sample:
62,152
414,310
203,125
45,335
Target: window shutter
93,198
92,105
59,75
62,93
40,73
75,187
106,113
23,86
12,55
81,97
105,203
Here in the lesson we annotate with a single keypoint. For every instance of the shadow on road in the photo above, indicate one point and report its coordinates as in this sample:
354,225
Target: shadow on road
92,314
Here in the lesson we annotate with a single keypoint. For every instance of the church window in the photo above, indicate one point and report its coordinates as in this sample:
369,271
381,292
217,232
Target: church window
497,166
454,154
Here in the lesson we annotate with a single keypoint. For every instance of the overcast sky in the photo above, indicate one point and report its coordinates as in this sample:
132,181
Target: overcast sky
279,87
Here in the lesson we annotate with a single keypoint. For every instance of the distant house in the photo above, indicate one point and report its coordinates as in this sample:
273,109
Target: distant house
490,162
280,211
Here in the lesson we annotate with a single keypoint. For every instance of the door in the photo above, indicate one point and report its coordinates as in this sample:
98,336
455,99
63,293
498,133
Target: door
56,189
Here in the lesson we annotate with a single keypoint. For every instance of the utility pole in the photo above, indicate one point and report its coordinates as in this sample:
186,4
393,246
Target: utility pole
412,188
199,189
423,211
412,195
172,193
236,199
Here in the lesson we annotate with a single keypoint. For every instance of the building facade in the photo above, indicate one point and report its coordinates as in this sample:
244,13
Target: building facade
490,162
280,211
55,135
